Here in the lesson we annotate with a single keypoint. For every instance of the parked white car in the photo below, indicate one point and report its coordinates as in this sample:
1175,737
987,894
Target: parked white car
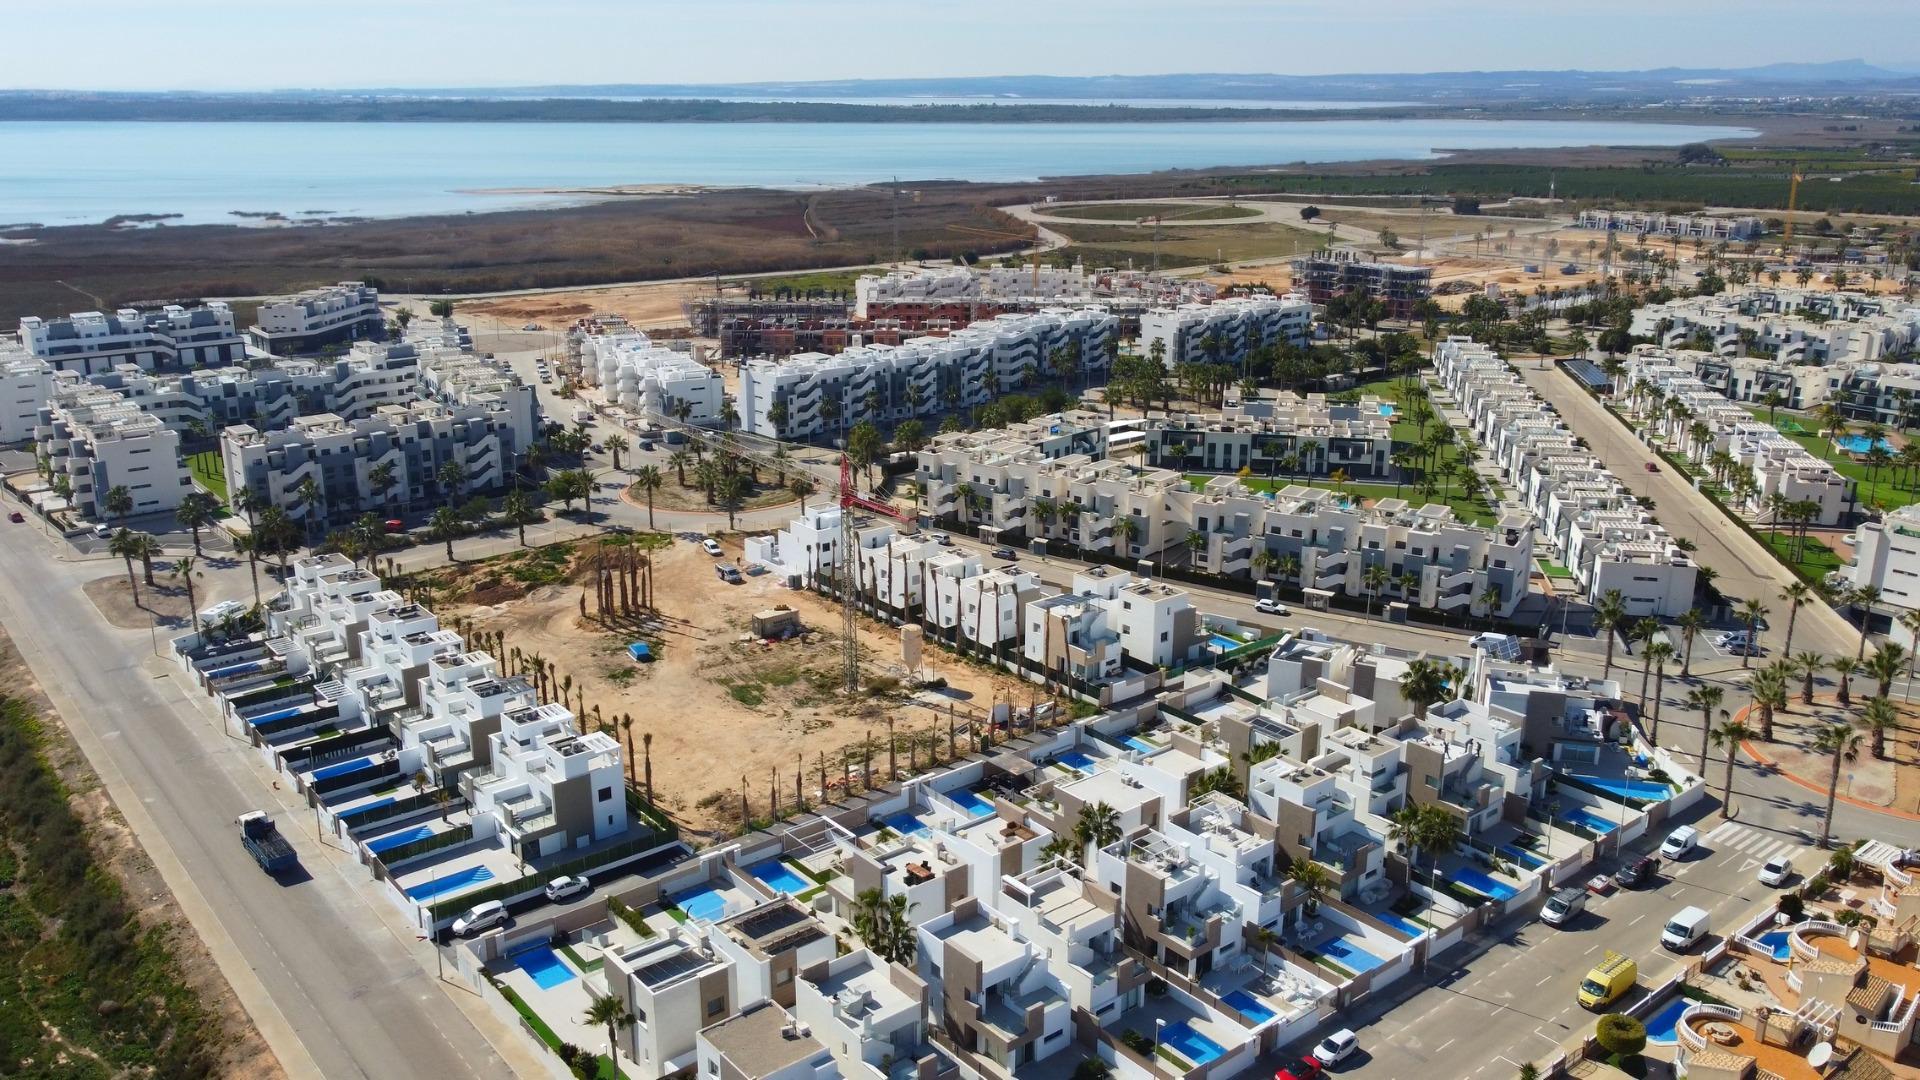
711,547
1776,871
482,916
1336,1047
1679,842
1271,607
566,887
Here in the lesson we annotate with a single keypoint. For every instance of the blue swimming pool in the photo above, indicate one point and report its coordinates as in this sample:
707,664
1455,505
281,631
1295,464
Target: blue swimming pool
1777,940
1344,952
780,877
1224,643
1248,1006
1482,884
1661,1025
543,965
1140,744
367,808
974,803
1860,444
1410,927
705,903
903,823
1190,1044
1523,856
1386,409
388,843
1076,759
446,883
272,716
1644,790
236,669
1582,816
342,768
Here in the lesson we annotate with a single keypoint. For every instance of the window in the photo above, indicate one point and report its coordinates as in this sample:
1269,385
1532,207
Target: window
716,1006
605,794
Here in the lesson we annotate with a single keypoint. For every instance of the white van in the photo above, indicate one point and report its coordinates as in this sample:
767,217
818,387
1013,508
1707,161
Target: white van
1685,929
1679,842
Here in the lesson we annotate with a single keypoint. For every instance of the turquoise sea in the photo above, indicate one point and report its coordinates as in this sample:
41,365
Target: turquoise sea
84,172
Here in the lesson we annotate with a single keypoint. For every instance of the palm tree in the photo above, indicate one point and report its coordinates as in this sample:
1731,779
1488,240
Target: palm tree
1425,684
1403,828
801,487
1864,598
1705,699
1375,578
1313,880
1289,567
616,445
1125,529
1796,595
1642,634
612,1012
1885,667
183,568
1809,665
1659,655
677,461
310,498
1608,614
1844,669
124,545
1839,741
520,512
1691,622
444,526
648,479
196,512
118,502
1879,717
1751,612
1769,689
1728,737
1097,827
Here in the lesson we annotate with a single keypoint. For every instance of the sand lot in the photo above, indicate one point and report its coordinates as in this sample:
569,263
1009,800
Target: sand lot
644,306
720,709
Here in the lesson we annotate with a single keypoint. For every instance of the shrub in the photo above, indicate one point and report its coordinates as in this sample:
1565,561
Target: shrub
1092,1069
1620,1034
1792,906
1137,1042
1815,885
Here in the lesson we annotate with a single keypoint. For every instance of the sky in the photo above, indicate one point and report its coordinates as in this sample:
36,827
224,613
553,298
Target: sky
274,44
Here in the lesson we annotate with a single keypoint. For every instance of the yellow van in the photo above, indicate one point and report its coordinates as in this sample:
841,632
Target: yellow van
1613,976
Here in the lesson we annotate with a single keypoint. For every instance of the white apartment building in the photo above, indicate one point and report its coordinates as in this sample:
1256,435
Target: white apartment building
1886,555
89,342
462,381
1644,223
812,394
548,788
351,387
762,1043
1775,322
674,985
95,440
1225,331
26,381
407,444
869,1013
945,284
1278,434
1599,530
307,321
634,373
1777,464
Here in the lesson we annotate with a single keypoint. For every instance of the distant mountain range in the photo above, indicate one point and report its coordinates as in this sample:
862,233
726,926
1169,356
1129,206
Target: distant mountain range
1836,77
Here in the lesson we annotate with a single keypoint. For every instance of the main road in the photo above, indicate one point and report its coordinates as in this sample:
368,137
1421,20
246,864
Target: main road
337,987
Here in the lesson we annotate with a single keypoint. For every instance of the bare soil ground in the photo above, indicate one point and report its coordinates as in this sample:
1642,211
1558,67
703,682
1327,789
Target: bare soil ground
244,1054
1892,782
724,709
644,306
164,602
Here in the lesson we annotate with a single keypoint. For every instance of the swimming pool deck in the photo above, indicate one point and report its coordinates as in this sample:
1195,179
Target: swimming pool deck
498,860
563,1007
1227,1034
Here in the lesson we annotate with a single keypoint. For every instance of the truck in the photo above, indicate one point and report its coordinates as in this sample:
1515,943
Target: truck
1563,907
264,842
1613,976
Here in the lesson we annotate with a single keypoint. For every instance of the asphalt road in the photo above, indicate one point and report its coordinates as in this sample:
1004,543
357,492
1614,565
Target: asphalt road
336,992
1510,998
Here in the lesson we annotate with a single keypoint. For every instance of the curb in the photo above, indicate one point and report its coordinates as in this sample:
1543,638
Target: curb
1747,746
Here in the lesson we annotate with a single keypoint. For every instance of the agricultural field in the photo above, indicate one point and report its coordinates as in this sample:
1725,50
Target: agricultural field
1113,245
1170,213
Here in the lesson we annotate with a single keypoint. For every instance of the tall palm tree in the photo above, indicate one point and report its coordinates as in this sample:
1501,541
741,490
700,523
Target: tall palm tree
1705,699
1097,827
648,479
678,462
124,545
1728,737
183,568
1642,634
1313,880
1769,689
1691,622
1864,598
1878,717
1751,612
1844,669
520,512
1608,613
196,512
1796,595
444,526
616,445
1839,741
1659,655
612,1012
1425,684
1375,579
1885,667
1809,665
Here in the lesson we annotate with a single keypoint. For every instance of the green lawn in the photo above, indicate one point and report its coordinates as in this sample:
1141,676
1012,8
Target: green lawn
1818,561
1553,569
208,472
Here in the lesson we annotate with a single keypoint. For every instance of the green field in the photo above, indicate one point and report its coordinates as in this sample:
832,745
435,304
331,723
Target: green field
825,281
1116,245
208,471
1169,212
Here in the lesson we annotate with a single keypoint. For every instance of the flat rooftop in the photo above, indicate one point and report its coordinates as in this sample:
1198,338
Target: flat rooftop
760,1043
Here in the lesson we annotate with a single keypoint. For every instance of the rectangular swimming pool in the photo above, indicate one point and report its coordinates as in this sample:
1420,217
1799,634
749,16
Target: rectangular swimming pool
1386,409
543,965
1190,1044
972,802
903,823
446,883
704,903
1482,884
1140,744
1077,760
1644,790
1580,815
780,877
1522,856
1397,922
1342,951
272,716
1224,643
342,768
388,843
1248,1006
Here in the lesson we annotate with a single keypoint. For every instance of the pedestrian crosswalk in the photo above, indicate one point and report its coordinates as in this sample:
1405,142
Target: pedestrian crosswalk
1756,845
